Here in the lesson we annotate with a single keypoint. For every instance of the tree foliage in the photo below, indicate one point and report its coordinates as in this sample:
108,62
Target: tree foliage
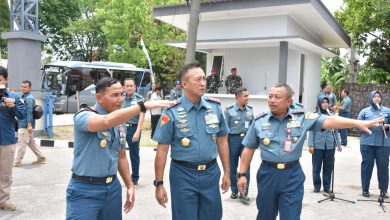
334,70
367,22
4,25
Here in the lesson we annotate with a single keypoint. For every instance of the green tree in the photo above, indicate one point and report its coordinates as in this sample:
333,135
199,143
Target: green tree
54,17
133,20
4,26
334,70
367,22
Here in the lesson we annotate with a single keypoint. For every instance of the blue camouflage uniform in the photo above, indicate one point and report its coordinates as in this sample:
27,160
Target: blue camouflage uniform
280,177
192,131
131,126
94,191
346,113
7,130
238,120
371,146
324,143
296,107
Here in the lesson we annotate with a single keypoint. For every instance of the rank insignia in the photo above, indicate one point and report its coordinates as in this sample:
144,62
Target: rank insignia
103,143
183,121
185,142
105,133
164,119
213,126
266,141
180,109
184,130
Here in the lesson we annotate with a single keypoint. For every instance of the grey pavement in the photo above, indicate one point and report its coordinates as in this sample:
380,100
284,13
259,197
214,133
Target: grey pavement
39,190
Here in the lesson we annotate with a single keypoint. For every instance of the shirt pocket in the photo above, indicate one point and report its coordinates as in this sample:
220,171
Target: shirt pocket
265,138
105,138
183,130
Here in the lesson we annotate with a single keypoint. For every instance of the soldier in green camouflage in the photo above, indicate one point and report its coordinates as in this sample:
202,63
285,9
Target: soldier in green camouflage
175,92
233,81
213,82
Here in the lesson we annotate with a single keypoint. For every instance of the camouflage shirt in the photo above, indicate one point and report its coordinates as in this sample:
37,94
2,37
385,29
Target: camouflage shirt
175,94
232,83
213,84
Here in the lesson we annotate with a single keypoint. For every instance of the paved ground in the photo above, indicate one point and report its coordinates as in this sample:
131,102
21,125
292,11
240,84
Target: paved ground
39,190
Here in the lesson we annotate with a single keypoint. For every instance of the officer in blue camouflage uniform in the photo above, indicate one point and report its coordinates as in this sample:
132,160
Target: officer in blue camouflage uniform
238,117
280,135
133,128
196,130
376,146
322,145
94,191
176,92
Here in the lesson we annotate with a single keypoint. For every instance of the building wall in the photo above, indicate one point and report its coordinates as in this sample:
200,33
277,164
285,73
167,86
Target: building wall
258,67
312,80
295,29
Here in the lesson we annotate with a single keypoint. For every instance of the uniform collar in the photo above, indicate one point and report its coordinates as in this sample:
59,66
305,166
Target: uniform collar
100,109
236,107
288,115
188,105
26,94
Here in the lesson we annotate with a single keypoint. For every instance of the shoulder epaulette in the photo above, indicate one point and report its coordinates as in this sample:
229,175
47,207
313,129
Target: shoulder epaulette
301,111
230,106
212,100
249,106
87,108
178,101
299,104
260,115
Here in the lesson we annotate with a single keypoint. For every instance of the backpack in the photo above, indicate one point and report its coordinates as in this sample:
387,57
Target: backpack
37,112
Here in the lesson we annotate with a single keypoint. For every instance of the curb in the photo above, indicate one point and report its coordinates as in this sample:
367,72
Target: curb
54,143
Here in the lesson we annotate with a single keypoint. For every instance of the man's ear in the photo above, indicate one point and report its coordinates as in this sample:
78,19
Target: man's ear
290,101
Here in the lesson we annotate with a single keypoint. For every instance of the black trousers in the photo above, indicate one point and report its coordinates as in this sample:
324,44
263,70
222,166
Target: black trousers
154,121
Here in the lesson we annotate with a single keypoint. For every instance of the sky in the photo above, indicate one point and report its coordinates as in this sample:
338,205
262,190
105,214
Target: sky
332,5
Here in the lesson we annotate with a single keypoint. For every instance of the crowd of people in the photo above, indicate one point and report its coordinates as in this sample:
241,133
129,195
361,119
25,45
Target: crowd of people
196,130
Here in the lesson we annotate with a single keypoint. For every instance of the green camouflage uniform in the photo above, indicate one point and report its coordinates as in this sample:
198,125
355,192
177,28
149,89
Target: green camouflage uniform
213,84
232,83
175,94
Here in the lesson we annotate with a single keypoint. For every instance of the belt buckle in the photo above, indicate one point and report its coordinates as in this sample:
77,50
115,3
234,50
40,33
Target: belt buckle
281,166
242,134
201,167
109,179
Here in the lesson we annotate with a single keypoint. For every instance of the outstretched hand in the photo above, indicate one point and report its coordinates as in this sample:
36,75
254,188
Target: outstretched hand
364,125
158,104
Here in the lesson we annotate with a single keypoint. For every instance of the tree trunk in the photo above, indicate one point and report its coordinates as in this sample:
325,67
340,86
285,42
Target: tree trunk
192,31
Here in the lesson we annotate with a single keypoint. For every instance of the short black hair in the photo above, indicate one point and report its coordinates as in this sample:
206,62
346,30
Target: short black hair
104,83
27,82
157,88
239,91
128,79
289,89
323,85
3,72
184,69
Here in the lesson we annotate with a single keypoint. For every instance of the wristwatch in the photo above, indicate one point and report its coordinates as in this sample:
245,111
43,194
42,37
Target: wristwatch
142,106
157,183
241,175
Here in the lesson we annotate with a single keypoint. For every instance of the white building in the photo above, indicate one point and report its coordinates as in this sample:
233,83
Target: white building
268,41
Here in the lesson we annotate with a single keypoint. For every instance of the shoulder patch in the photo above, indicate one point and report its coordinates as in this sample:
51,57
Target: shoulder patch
260,115
212,100
178,101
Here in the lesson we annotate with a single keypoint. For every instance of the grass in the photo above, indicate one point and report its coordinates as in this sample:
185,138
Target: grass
66,133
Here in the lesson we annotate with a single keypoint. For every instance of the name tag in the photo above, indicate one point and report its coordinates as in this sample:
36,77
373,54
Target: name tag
211,119
246,124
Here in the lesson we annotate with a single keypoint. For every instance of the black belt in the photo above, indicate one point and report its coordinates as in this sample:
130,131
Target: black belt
131,125
196,166
90,179
239,134
281,166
